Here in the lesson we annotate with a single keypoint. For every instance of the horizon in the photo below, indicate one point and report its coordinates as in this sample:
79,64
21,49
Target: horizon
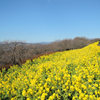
36,21
43,41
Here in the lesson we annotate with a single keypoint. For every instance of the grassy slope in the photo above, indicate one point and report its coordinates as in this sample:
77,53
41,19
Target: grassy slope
63,75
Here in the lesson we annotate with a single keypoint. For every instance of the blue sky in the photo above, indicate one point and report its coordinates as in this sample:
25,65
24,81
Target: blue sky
49,20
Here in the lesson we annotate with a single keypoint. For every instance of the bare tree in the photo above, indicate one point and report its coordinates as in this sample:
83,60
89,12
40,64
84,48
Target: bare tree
12,52
15,52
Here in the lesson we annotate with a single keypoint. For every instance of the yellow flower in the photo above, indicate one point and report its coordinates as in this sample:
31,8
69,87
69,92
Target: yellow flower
91,97
84,76
53,87
48,80
89,86
96,85
69,94
82,95
86,97
28,98
72,88
45,85
12,98
83,86
96,92
58,91
24,93
54,95
47,89
98,98
90,81
30,91
43,96
73,98
0,85
51,98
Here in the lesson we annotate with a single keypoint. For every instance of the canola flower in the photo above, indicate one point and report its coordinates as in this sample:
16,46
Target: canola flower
68,75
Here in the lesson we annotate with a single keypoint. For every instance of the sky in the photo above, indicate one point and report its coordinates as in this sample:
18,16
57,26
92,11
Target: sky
35,21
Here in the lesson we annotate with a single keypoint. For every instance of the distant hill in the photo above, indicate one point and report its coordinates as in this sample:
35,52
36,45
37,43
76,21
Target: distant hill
1,42
42,43
20,43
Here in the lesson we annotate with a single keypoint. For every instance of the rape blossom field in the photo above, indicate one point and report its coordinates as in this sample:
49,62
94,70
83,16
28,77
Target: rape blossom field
68,75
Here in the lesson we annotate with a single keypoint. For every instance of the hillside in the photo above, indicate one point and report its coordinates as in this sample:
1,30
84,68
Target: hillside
17,52
67,75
